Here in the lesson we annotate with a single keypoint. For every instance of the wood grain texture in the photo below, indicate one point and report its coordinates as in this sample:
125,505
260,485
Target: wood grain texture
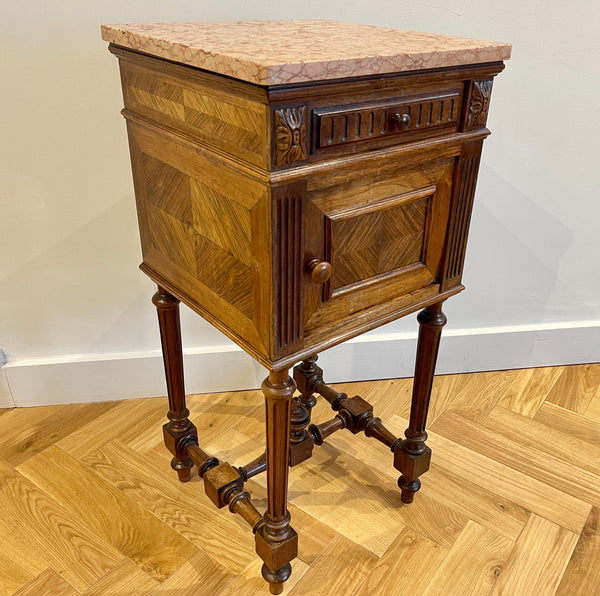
559,444
342,487
513,484
18,447
354,534
575,388
16,568
583,570
581,427
48,582
41,526
473,564
118,519
537,561
529,389
219,536
229,116
342,566
593,410
489,387
200,574
388,240
125,578
406,568
523,455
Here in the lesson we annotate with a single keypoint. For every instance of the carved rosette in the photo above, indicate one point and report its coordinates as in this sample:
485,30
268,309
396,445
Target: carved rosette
479,104
290,135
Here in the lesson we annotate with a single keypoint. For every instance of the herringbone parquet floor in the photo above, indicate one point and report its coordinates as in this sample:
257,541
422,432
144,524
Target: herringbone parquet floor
89,504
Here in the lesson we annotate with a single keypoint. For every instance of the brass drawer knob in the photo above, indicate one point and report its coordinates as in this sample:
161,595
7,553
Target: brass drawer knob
402,121
319,271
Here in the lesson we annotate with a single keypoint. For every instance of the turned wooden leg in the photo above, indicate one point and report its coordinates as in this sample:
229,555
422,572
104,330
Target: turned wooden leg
412,457
276,541
179,429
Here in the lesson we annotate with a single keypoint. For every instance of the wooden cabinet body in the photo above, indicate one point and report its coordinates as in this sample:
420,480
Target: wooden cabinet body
240,187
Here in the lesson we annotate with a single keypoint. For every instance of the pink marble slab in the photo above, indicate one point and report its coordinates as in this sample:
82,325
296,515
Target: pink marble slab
281,52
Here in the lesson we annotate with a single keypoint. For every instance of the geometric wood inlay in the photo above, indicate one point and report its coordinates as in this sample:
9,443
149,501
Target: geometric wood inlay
222,220
223,274
167,188
203,233
172,238
239,125
376,240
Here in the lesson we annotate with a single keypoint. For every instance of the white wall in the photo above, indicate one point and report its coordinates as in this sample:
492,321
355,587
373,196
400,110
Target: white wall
76,320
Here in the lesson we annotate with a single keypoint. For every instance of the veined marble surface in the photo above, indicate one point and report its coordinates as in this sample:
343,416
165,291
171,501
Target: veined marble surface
282,52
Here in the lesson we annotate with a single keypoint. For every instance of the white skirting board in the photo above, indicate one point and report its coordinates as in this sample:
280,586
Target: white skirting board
86,378
6,399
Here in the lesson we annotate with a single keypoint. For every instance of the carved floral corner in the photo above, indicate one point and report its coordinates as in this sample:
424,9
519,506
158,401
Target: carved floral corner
479,103
290,135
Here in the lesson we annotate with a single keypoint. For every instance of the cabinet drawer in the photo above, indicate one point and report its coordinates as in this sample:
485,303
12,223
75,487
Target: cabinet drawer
396,120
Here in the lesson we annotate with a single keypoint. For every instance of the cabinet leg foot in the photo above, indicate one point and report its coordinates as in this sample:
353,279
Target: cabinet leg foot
277,578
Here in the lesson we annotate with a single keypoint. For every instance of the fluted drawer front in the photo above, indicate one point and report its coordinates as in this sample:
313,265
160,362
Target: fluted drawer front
407,119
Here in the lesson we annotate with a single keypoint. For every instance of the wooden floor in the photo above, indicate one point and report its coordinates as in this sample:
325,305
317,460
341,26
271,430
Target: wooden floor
89,504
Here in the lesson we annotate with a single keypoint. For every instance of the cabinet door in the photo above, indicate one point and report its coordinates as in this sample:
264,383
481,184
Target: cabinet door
382,227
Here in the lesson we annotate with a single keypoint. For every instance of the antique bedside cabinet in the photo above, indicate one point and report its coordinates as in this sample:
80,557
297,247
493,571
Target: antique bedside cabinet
299,183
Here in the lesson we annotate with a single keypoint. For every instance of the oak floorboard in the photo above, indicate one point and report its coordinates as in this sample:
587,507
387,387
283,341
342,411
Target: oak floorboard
19,421
529,389
112,515
593,410
406,568
537,561
35,438
338,489
481,394
473,501
582,575
48,583
341,569
575,387
527,433
15,569
126,579
32,522
546,468
566,421
514,485
473,563
200,575
184,507
125,421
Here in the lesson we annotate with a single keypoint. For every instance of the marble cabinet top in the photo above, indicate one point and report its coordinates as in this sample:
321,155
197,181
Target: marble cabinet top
283,52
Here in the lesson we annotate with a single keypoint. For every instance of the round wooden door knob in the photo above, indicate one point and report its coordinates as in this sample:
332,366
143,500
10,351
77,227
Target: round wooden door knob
402,121
319,271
